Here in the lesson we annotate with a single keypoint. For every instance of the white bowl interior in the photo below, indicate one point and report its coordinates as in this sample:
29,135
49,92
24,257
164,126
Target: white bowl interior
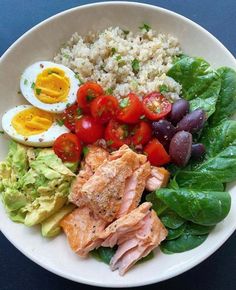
41,43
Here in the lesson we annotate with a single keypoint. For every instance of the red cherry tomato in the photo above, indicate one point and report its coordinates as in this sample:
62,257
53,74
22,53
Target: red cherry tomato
88,129
156,153
70,115
68,147
131,109
117,134
104,108
141,133
87,93
156,106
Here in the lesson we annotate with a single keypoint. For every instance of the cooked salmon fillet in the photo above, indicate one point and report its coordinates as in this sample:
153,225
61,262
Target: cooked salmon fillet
93,159
144,240
124,227
158,178
134,188
104,190
81,228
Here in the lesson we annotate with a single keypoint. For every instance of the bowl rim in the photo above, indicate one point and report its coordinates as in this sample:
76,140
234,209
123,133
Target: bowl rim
182,269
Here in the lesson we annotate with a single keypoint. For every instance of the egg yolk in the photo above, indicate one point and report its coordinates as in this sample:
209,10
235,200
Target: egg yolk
52,86
32,121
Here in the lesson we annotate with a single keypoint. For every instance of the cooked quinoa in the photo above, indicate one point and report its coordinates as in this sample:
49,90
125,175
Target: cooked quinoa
123,61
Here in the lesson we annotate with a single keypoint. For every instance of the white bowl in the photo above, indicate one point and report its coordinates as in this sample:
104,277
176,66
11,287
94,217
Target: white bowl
41,43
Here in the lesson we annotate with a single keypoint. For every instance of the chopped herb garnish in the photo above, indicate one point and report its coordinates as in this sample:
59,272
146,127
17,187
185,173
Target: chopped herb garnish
118,58
110,142
25,82
68,105
60,122
125,32
78,78
140,138
1,132
124,102
102,66
142,117
121,63
158,110
145,27
38,91
66,55
109,91
33,85
135,65
163,88
85,150
113,50
79,112
19,92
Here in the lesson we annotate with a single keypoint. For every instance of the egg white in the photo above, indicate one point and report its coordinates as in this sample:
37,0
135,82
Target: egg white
45,139
29,77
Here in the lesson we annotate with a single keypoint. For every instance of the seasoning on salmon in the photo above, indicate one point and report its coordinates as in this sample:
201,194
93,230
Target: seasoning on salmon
148,237
81,228
158,178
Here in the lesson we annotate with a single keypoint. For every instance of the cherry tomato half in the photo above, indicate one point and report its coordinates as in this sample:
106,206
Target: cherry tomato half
117,134
87,93
141,133
156,153
156,106
104,108
131,109
68,147
70,115
88,129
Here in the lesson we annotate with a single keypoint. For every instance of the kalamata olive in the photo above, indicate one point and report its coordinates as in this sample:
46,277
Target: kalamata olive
192,122
198,150
180,148
163,130
179,109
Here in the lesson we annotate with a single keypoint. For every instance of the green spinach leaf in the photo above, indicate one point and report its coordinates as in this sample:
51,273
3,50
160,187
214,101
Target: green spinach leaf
219,137
158,205
200,83
171,220
184,243
197,230
198,180
226,103
201,207
175,233
103,254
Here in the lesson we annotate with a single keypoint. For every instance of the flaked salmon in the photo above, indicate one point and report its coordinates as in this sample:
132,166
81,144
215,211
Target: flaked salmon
93,159
151,233
158,178
104,191
82,229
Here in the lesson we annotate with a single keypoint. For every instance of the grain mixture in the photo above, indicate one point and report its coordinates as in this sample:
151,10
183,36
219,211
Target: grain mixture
122,61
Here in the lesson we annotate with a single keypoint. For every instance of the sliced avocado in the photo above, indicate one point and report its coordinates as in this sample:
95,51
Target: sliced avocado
50,226
73,166
42,208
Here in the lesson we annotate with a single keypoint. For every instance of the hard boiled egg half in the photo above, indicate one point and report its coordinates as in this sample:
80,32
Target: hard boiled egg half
31,126
49,86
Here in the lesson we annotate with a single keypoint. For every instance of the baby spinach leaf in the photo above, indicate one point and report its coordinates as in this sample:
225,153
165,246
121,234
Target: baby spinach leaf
103,254
171,220
195,230
184,243
222,165
200,83
226,103
201,207
175,233
198,180
219,137
158,205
